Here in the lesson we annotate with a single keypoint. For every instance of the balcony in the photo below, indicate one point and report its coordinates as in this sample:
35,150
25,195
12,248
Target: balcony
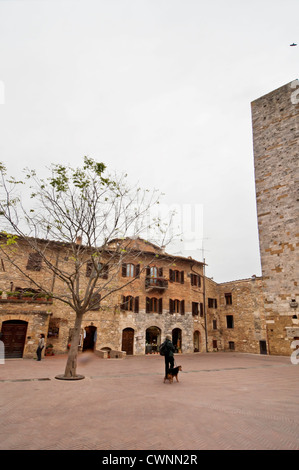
22,297
156,283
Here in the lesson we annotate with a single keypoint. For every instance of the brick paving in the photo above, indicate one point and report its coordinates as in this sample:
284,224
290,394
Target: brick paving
223,401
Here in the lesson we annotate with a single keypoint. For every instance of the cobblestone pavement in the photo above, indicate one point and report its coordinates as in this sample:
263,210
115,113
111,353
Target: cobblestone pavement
222,401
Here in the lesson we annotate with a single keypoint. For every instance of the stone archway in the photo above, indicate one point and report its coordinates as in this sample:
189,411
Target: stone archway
90,337
152,340
177,339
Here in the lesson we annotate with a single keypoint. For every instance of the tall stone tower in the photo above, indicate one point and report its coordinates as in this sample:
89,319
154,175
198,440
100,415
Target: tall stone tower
275,121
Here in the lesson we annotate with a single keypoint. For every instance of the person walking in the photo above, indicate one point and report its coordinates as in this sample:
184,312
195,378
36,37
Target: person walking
40,347
167,349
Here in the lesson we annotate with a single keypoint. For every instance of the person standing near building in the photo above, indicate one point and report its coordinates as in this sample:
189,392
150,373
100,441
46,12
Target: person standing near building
167,350
40,347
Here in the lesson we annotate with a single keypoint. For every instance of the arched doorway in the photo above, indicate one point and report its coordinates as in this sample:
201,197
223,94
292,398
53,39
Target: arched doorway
177,339
196,341
128,341
90,337
13,337
152,340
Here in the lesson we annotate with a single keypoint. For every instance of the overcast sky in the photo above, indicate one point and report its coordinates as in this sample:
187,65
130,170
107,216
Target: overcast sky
160,89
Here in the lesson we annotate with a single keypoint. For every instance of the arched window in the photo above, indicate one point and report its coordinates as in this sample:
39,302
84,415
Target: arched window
130,270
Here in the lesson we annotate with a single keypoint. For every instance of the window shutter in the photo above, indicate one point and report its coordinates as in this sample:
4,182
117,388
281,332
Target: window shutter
170,306
137,270
104,272
182,307
160,306
148,271
182,277
171,275
34,262
201,309
136,305
124,270
147,305
160,272
88,268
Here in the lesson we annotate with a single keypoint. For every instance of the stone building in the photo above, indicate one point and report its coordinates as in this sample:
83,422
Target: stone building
275,119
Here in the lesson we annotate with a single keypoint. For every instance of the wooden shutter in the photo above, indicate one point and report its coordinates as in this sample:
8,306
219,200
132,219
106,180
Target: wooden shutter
137,270
170,306
201,309
124,270
160,272
182,277
182,307
160,306
104,271
34,262
147,305
136,305
171,275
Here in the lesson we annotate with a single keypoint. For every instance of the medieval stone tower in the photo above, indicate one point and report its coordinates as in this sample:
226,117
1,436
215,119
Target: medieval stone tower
275,120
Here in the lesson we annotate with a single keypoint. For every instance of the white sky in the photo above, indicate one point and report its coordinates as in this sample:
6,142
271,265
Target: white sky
160,89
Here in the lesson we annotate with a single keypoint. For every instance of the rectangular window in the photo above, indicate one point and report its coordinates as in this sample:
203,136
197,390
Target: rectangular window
176,276
154,305
228,299
214,343
195,308
94,270
195,280
34,262
231,345
130,304
95,302
177,306
229,321
214,324
212,303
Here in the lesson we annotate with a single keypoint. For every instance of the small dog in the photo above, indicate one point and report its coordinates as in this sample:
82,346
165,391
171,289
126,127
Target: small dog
173,373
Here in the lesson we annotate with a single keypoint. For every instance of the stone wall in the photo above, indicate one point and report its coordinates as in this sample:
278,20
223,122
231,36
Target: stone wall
275,120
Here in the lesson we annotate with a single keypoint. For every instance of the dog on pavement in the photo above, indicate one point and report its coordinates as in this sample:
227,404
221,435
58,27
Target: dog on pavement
174,372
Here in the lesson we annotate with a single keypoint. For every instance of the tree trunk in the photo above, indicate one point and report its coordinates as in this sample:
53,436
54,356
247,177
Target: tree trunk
71,365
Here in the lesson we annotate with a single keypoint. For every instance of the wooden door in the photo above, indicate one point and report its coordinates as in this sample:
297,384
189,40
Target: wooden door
13,337
128,341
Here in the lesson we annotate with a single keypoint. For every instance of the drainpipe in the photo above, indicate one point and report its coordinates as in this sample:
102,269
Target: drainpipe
204,304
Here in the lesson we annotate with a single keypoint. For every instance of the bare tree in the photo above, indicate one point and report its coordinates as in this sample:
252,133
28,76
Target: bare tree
88,215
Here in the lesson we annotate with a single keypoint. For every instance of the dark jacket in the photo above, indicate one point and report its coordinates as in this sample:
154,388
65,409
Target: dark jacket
170,349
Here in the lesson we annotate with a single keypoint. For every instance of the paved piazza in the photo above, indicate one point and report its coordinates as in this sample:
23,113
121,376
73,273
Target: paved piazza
222,401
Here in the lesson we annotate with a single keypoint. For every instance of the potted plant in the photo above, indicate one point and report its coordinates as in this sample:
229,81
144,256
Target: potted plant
49,350
27,295
13,295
